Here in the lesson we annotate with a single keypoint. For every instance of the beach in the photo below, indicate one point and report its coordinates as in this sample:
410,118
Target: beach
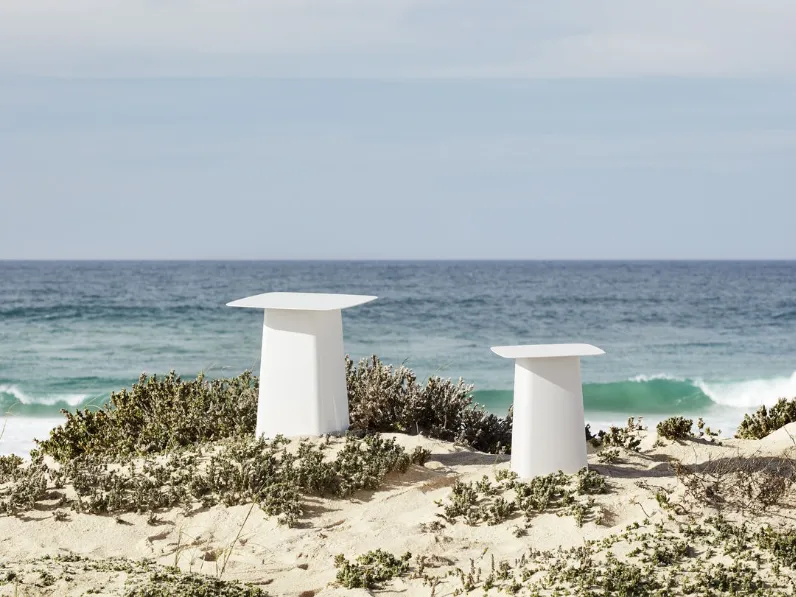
177,497
405,515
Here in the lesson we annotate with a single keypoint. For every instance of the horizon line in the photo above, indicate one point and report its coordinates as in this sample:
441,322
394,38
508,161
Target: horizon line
405,260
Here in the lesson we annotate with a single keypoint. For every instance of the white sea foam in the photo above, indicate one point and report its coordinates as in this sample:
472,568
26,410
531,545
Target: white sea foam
752,393
20,396
658,376
17,433
737,394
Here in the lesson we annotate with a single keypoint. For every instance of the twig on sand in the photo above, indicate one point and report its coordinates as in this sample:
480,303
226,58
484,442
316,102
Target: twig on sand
228,551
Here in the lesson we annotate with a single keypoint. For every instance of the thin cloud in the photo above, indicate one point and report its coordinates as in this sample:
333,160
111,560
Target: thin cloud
398,38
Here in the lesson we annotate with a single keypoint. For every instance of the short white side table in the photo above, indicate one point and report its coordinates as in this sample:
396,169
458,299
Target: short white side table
548,429
302,369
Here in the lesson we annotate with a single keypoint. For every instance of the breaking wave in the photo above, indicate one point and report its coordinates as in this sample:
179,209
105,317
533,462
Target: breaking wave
666,394
643,394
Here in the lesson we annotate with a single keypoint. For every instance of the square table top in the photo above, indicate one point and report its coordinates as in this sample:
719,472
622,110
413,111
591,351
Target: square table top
302,301
546,351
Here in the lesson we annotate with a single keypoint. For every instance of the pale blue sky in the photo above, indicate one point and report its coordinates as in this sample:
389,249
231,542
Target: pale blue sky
406,129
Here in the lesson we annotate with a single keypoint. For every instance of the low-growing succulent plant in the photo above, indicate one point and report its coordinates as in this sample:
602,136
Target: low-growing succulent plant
370,570
492,503
238,471
143,578
627,437
10,468
782,544
608,456
171,582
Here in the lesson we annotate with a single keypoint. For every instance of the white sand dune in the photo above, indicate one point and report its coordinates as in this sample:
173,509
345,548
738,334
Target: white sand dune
295,561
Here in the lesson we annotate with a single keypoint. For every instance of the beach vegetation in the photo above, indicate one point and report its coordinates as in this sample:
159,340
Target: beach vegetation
747,484
164,413
493,503
159,413
10,467
642,560
370,570
652,560
675,428
139,578
782,544
767,420
627,437
608,456
390,399
168,443
706,432
24,487
238,471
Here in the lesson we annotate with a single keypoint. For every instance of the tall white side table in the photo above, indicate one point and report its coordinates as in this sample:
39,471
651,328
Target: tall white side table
302,369
548,428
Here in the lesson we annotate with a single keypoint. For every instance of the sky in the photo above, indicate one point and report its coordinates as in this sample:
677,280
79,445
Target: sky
400,129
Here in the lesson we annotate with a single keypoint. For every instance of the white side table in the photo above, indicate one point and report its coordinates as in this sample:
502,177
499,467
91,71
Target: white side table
548,429
302,369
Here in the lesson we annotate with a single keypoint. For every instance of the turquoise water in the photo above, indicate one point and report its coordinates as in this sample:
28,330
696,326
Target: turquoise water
699,338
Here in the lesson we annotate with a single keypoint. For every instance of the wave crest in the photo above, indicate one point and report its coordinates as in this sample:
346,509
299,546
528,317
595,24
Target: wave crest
658,376
21,397
746,394
659,393
666,395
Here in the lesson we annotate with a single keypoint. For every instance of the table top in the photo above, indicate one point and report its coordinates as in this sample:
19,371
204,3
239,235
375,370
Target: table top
302,301
546,351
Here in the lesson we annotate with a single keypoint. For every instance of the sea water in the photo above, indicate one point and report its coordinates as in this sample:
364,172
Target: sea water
711,339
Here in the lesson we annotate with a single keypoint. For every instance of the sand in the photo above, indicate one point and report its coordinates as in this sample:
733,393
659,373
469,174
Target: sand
300,561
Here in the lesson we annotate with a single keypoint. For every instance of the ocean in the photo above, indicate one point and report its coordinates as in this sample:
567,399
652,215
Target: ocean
710,339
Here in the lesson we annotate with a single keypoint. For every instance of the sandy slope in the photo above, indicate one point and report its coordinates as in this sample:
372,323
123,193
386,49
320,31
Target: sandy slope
291,561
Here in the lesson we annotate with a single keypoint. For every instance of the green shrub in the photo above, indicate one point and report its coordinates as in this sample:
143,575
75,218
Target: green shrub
164,413
675,428
370,570
24,486
705,431
384,398
158,414
627,437
766,421
9,468
608,456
